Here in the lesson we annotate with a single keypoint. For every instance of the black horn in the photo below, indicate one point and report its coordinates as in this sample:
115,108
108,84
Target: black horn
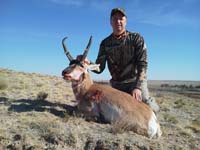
87,49
66,50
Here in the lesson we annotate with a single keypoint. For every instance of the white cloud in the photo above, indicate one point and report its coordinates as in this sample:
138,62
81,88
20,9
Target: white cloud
164,14
170,18
76,3
189,1
156,12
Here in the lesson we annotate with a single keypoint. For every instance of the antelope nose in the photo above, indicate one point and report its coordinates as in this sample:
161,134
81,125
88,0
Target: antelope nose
63,72
67,77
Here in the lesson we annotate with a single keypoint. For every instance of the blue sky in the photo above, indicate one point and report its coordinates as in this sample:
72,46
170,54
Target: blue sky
31,32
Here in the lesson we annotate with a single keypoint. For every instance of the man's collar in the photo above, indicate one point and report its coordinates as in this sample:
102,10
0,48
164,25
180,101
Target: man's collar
120,36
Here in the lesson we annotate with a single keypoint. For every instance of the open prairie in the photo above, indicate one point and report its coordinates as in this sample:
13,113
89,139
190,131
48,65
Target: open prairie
37,112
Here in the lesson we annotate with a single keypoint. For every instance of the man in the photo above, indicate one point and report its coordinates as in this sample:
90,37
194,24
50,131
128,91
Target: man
126,56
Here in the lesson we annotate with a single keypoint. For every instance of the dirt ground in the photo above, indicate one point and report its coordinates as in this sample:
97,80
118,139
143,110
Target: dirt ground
37,113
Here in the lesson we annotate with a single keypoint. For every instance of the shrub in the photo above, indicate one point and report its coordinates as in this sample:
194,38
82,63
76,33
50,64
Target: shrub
3,84
42,95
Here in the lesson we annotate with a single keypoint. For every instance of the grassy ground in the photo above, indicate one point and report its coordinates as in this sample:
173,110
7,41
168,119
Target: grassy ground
37,113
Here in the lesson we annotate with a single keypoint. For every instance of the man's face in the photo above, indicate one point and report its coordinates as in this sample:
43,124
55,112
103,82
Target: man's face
118,23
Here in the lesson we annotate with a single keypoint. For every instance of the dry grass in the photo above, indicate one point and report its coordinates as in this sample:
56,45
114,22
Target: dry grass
3,83
37,112
170,119
121,125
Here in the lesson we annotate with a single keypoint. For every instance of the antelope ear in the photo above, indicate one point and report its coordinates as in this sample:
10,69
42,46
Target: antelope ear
93,67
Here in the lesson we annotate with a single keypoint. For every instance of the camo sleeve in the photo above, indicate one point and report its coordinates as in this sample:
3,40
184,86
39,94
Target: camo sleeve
101,58
141,60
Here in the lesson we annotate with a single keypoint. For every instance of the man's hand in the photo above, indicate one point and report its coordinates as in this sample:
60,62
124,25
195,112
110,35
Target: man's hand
137,94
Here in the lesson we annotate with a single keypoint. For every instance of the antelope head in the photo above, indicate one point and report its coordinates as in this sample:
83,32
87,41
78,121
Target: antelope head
77,67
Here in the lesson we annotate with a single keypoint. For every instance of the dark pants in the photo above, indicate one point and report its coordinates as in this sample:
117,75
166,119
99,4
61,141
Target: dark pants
129,87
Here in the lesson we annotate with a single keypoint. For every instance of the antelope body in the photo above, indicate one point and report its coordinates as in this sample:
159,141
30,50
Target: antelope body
116,107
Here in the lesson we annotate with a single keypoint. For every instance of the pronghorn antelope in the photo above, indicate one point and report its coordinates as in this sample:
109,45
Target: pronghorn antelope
116,107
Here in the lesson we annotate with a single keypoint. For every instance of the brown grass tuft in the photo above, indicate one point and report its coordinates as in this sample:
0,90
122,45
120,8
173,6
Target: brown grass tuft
42,95
170,118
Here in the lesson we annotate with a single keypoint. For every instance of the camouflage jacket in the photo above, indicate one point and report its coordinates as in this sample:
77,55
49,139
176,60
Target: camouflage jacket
126,58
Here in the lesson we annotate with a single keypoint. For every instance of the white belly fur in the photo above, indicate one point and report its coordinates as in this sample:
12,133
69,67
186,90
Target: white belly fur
154,127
